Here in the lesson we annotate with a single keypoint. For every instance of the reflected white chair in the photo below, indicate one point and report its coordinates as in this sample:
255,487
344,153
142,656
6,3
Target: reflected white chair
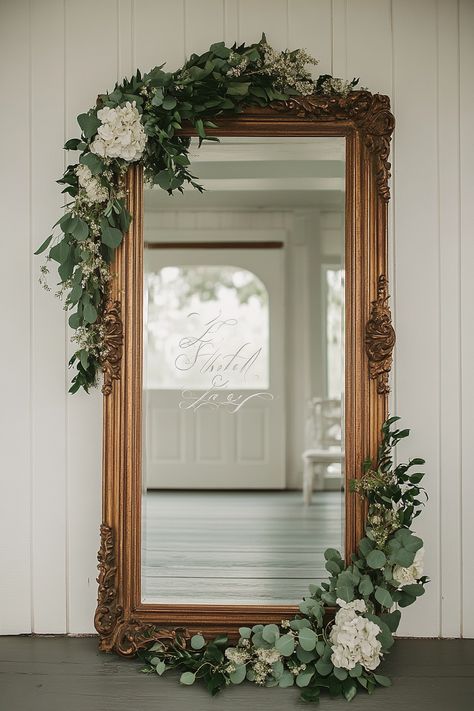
323,435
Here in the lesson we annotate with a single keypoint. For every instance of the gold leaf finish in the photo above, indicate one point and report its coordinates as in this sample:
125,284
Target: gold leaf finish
123,620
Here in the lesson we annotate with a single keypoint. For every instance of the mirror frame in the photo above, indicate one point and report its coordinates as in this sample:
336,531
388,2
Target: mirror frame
124,623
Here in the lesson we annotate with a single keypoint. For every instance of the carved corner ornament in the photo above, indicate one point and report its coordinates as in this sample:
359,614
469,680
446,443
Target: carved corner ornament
117,632
113,344
369,112
380,337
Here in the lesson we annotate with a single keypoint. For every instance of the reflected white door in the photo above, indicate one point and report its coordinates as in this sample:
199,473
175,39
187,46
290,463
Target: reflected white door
214,369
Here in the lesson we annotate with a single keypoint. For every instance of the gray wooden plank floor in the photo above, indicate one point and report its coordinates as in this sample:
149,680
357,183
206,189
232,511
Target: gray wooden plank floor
67,674
236,546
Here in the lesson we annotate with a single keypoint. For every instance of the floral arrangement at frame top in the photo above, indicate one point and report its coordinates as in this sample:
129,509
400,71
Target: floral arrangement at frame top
139,122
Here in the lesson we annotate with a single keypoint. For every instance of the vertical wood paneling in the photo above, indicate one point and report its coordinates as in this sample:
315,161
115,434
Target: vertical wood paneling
417,274
466,46
310,27
15,286
231,21
370,59
48,325
158,34
204,24
449,314
50,486
89,70
269,16
125,32
339,38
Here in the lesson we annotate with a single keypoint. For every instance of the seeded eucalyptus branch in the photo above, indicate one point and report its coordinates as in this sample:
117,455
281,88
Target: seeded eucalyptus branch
137,123
311,651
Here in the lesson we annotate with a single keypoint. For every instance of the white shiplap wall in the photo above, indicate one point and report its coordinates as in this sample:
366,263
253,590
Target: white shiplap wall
55,56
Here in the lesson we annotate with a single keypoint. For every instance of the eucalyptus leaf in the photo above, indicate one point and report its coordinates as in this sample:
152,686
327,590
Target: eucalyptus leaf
307,639
238,676
93,162
110,236
287,679
80,229
198,641
285,645
160,667
382,680
324,668
44,245
89,124
376,559
366,587
90,313
304,677
383,596
245,632
187,678
270,633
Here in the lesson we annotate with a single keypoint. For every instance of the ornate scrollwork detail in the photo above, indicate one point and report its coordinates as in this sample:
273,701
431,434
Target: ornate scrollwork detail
380,337
113,345
124,636
133,635
108,611
370,113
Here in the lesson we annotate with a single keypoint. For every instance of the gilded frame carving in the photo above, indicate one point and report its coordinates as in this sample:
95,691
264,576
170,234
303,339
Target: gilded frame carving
123,622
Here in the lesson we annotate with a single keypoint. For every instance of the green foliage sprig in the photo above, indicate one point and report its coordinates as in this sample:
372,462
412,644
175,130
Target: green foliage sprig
222,80
308,651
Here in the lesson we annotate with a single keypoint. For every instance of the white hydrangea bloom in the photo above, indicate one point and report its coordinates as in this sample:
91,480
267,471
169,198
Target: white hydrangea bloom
121,134
411,574
354,637
94,190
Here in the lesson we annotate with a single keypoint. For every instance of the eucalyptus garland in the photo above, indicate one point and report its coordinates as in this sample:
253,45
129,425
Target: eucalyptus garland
137,123
311,651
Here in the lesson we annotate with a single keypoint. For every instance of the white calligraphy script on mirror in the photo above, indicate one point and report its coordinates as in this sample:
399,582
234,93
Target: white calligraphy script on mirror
244,373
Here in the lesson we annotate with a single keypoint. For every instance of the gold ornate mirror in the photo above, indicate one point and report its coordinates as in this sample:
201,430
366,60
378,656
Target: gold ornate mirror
249,349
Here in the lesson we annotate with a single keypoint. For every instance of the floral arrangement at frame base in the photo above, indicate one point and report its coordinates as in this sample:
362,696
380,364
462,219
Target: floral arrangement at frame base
139,122
343,655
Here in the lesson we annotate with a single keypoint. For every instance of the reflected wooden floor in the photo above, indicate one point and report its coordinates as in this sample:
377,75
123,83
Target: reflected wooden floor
246,547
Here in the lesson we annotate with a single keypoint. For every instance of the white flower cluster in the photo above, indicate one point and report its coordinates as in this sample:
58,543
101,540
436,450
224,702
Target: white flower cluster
237,656
336,86
410,575
239,64
93,265
259,660
91,339
262,664
289,69
354,637
121,134
95,192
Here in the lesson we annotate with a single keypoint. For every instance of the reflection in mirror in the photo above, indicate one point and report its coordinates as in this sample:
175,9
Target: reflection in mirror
244,374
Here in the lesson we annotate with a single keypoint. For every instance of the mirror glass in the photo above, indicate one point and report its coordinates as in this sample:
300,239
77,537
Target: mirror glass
244,374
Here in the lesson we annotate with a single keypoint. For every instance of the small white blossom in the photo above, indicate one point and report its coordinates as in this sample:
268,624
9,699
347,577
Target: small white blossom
121,134
237,656
411,574
288,69
354,637
269,656
333,85
95,192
